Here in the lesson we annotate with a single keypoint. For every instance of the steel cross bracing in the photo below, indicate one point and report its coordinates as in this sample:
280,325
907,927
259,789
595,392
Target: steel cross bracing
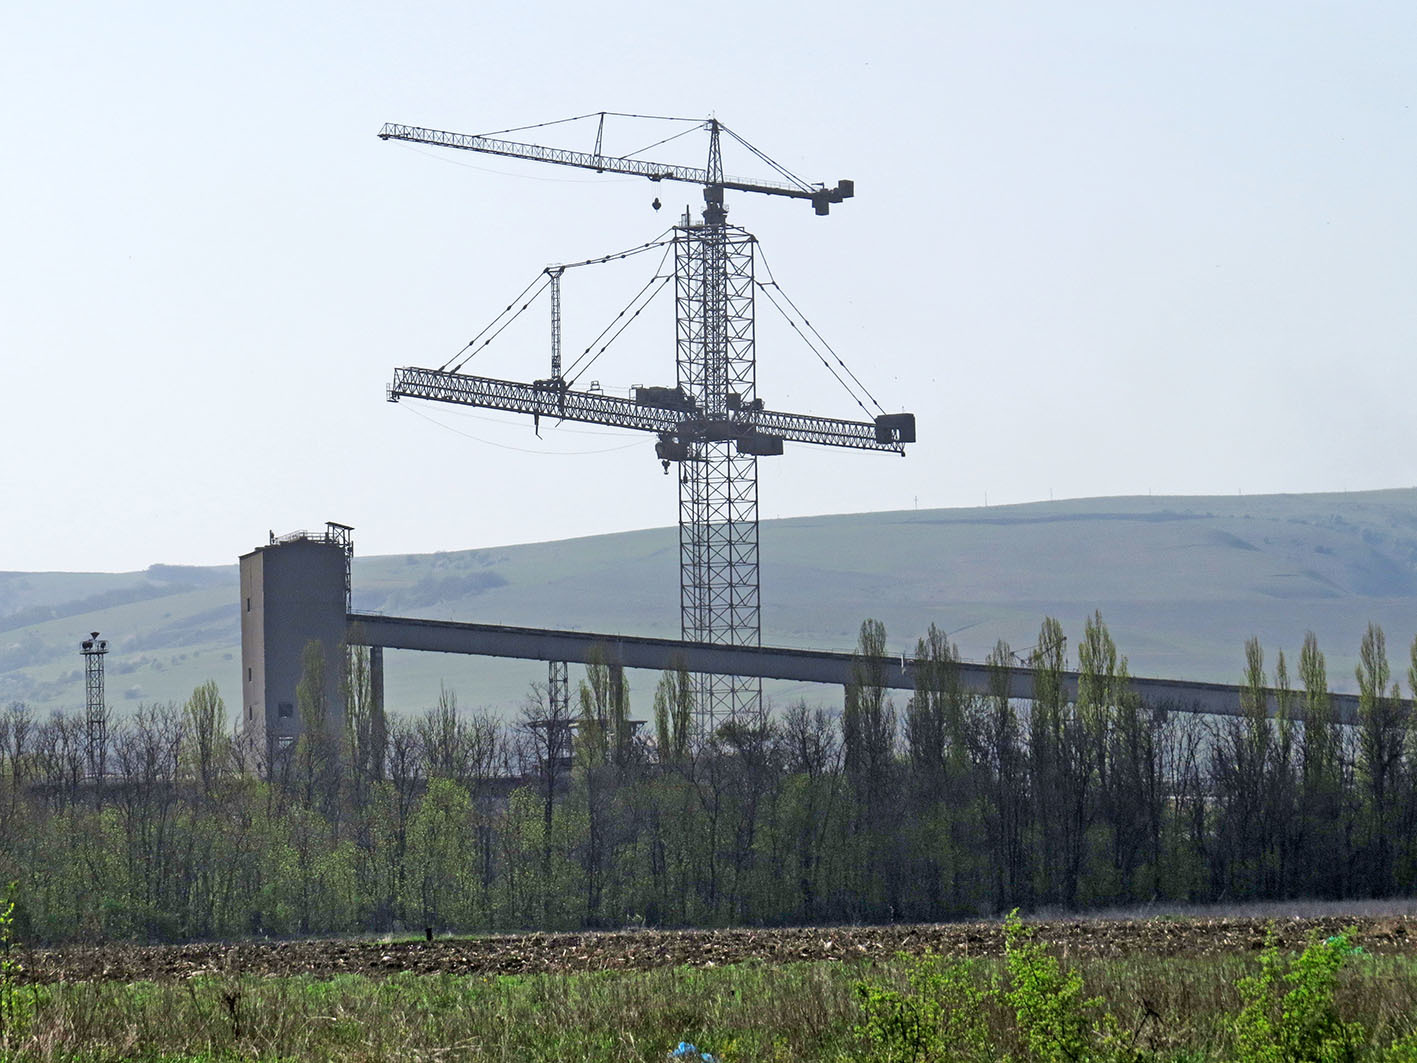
93,649
719,589
558,691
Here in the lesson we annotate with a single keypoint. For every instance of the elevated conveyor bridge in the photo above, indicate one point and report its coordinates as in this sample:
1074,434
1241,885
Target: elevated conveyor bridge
763,662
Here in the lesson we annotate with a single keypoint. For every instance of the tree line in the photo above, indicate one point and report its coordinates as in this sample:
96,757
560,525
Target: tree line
954,804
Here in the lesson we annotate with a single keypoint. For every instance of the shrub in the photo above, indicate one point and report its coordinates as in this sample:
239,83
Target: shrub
939,1016
1289,1014
1056,1023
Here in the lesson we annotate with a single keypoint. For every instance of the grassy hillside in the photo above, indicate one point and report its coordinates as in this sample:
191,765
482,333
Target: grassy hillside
1182,582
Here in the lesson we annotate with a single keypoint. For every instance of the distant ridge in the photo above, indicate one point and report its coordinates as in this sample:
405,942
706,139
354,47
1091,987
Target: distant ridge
1181,581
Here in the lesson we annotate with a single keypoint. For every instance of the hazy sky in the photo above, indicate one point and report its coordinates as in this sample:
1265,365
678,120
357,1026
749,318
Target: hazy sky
1097,248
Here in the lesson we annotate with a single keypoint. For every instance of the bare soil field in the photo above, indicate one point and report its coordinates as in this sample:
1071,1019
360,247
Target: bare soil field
645,949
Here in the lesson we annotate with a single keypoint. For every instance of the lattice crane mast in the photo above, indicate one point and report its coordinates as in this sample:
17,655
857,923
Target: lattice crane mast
711,423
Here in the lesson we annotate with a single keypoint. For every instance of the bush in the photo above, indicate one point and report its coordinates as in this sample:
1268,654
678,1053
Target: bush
939,1016
1056,1023
1299,1024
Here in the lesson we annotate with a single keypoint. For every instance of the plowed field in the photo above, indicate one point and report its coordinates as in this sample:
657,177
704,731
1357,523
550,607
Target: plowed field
645,949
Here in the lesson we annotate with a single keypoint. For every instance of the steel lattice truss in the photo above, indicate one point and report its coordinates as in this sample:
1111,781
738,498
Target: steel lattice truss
747,427
96,709
558,691
718,485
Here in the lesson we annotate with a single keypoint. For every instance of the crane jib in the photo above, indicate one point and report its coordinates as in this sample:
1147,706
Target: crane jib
820,196
757,431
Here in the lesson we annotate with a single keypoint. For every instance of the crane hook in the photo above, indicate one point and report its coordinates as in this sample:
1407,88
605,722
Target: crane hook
656,204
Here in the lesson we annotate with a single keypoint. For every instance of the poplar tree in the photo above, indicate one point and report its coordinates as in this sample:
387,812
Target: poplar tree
868,722
1382,727
673,714
205,736
1321,840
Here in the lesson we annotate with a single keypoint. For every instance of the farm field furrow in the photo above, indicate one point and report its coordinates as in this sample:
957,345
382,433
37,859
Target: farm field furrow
639,950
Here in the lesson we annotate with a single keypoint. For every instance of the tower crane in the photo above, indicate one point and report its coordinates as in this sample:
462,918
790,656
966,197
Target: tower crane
711,425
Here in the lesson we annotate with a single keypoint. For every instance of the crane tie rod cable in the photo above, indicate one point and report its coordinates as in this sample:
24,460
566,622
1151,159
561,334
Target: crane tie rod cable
663,279
812,347
782,170
543,276
659,241
540,278
590,114
666,140
773,281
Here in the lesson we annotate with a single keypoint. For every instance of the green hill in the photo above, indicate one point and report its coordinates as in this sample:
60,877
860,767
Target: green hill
1181,582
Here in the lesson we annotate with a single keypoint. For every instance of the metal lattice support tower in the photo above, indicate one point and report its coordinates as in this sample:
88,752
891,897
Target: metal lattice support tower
558,691
554,272
718,485
96,710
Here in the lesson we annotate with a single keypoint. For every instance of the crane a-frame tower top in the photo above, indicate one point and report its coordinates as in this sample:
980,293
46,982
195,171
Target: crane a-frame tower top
710,424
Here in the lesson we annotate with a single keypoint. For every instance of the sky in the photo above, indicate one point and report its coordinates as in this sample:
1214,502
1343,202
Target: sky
1097,249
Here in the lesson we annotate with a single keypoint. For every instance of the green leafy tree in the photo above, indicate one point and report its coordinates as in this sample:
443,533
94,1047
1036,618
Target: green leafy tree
868,722
1050,754
1382,732
674,714
1007,786
366,729
205,737
869,733
1322,842
315,765
1241,763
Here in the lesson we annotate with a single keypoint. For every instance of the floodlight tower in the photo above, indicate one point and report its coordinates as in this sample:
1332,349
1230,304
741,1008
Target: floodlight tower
93,649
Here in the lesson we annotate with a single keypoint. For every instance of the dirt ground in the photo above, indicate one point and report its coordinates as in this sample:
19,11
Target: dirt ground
645,949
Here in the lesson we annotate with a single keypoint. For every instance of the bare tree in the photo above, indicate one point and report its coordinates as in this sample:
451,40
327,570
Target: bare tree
544,732
812,751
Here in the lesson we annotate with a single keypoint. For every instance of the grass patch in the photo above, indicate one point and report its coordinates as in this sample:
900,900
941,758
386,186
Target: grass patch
1033,1005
